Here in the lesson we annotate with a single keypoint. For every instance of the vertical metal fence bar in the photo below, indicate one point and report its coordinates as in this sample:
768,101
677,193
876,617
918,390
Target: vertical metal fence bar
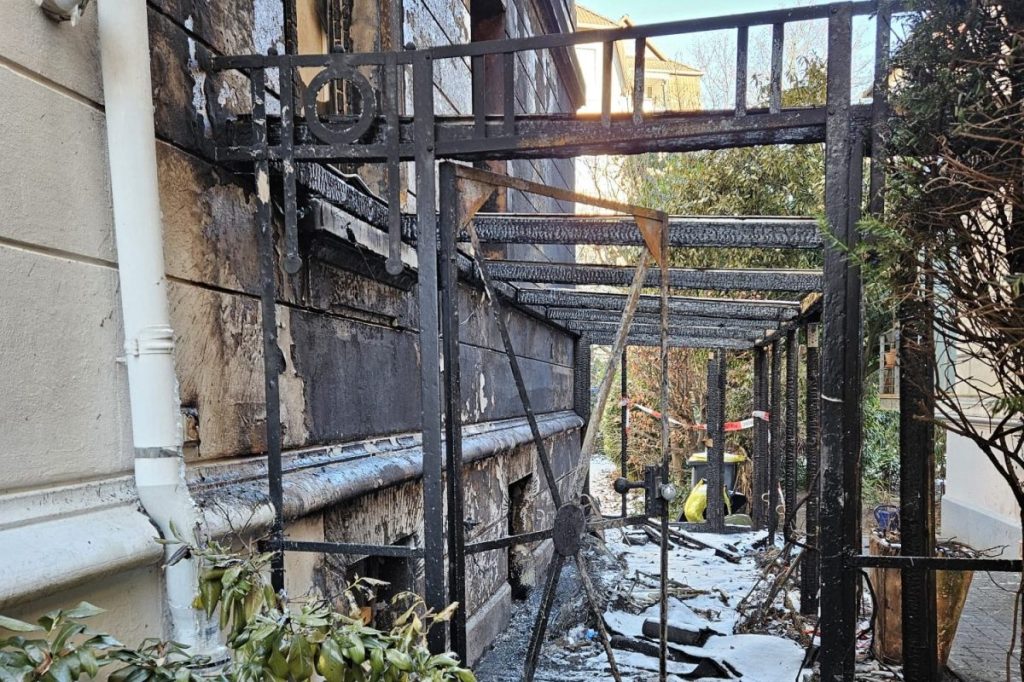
775,440
508,93
268,318
624,426
917,481
606,83
778,43
639,78
291,261
840,371
449,279
880,106
741,70
810,566
392,84
430,366
759,503
479,76
665,456
792,370
291,27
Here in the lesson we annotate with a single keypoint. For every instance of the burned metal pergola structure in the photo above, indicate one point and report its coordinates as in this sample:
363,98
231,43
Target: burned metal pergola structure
287,150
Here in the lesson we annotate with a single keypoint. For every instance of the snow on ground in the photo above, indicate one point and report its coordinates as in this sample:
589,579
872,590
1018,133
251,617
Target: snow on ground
708,589
705,591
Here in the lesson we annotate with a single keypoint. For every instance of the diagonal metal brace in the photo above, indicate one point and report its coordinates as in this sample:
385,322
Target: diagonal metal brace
517,375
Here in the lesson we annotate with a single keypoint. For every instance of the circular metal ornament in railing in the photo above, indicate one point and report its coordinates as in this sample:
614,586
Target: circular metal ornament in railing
329,133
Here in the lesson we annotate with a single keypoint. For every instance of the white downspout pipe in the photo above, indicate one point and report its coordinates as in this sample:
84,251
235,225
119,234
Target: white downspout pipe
149,339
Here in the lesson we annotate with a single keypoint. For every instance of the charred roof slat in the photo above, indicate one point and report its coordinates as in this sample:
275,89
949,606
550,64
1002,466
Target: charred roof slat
641,329
679,278
673,341
565,315
680,305
684,231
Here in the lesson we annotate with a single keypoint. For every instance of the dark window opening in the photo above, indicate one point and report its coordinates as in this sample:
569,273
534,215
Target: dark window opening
400,574
521,575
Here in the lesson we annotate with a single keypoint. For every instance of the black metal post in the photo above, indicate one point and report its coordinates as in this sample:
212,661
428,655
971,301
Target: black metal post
840,368
448,270
759,503
268,319
624,426
810,566
775,441
430,366
665,456
792,368
917,480
716,441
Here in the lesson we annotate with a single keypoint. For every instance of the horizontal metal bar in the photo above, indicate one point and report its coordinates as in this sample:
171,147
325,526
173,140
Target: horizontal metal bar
673,341
344,548
561,136
589,327
554,135
681,305
556,40
680,278
562,315
934,563
684,231
508,541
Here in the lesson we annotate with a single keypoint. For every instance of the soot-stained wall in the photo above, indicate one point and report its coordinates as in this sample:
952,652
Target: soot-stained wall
348,342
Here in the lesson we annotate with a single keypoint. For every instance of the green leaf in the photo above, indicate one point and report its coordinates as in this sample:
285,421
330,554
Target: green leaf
61,671
83,610
15,625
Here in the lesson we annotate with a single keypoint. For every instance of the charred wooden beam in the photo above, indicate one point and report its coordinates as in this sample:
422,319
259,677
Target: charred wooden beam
774,438
759,503
655,329
790,447
602,339
680,278
810,570
563,315
684,231
679,305
715,513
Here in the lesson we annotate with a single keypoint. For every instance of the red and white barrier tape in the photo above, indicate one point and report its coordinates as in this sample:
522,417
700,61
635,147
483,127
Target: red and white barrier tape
741,425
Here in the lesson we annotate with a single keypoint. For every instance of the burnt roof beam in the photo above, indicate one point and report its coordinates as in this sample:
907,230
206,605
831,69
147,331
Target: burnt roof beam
684,231
679,305
679,278
640,329
675,341
565,315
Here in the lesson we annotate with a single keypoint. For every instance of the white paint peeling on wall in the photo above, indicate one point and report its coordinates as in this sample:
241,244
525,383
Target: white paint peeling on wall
484,402
225,94
263,186
267,22
198,78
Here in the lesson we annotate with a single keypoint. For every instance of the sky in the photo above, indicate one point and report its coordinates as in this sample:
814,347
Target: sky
682,47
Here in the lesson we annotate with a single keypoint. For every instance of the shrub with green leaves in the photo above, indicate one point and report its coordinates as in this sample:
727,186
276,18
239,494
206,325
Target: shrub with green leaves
271,639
